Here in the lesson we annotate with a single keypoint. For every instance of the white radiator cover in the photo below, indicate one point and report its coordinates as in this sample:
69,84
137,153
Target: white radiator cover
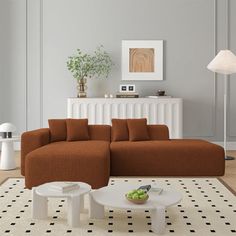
168,111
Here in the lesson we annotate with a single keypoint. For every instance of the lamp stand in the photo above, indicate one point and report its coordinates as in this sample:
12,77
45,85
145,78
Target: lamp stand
225,118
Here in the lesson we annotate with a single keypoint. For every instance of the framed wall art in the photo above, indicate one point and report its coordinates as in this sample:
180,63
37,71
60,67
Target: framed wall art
142,59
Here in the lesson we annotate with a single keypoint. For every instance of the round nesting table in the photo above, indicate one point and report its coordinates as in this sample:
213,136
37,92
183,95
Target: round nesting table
75,201
7,154
114,196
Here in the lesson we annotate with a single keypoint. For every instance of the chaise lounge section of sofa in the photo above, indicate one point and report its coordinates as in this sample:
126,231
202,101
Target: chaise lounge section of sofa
154,154
166,158
88,161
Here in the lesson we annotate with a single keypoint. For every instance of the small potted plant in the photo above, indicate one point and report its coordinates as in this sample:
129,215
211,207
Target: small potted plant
83,66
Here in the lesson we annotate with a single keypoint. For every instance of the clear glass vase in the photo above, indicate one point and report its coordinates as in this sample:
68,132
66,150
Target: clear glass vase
81,88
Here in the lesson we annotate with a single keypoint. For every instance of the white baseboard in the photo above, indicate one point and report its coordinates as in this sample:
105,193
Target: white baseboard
230,145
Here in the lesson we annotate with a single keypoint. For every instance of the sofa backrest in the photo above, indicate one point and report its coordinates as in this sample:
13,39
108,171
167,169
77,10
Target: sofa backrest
158,132
100,132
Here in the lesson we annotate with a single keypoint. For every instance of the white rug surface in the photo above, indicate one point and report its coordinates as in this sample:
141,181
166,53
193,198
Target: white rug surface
207,208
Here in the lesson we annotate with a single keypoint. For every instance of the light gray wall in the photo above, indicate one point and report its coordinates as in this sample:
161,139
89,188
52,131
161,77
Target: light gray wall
13,62
1,62
192,30
232,83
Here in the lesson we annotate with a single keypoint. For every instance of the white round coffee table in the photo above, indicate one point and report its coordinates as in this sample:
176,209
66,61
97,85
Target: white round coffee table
7,154
114,196
75,201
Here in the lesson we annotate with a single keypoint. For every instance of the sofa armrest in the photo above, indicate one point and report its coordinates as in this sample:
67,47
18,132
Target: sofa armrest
32,140
158,132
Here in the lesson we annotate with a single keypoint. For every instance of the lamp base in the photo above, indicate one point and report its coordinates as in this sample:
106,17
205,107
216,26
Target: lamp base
229,158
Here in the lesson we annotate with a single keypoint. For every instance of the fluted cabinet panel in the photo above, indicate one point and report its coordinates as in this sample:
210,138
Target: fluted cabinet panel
157,111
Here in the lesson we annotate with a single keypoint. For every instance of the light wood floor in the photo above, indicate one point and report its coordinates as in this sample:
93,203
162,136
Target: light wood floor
229,177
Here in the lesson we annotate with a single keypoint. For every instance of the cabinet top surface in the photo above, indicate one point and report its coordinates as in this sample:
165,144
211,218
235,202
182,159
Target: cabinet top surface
122,99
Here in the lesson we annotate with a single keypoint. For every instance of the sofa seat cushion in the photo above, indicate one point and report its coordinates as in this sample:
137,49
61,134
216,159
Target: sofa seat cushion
167,158
87,161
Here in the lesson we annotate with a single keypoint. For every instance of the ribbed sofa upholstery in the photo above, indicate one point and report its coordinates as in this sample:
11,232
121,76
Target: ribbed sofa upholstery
94,160
167,158
87,161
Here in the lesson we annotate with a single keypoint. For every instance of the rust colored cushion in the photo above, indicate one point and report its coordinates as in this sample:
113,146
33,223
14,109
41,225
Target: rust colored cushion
57,129
138,130
77,129
119,130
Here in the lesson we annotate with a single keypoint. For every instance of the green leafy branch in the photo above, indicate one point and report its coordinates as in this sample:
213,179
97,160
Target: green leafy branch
83,65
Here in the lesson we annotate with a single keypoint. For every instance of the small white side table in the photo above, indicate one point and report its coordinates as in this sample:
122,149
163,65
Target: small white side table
75,200
7,154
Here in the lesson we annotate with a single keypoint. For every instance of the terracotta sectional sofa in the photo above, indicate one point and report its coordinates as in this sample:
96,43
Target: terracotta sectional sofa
100,156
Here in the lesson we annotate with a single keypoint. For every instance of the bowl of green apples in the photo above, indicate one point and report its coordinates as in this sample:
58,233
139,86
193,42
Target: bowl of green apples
137,196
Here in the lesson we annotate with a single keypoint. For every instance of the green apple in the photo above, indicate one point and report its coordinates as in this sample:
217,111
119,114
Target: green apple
143,196
129,195
140,191
135,196
140,196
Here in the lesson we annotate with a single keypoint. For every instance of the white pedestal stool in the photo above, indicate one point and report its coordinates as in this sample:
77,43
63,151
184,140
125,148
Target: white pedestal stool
7,153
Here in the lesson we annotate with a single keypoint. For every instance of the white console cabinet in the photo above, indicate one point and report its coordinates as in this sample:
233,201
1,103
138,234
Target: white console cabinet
167,111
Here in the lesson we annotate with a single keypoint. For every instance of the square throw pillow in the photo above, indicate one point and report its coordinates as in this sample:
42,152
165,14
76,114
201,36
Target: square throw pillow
57,129
138,130
119,130
77,129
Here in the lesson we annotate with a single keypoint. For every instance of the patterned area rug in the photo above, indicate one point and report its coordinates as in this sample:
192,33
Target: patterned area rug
207,208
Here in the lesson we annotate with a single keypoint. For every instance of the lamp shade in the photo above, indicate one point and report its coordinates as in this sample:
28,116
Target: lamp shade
7,127
223,63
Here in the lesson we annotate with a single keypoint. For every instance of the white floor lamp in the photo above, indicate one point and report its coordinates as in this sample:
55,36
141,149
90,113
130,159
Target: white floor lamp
224,63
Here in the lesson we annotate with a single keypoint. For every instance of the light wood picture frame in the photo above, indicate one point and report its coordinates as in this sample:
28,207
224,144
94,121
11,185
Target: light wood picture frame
142,59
